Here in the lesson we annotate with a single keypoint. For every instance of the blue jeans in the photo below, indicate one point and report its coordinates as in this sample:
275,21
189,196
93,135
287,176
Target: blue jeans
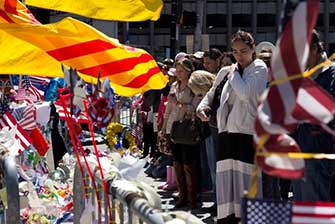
315,186
211,143
205,182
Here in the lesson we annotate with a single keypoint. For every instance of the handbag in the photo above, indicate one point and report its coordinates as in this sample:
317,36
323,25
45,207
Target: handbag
205,130
186,132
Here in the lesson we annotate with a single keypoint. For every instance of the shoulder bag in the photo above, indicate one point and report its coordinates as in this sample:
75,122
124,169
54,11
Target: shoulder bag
186,132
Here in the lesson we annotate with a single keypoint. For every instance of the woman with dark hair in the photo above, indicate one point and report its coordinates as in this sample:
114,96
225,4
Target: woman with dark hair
181,104
241,85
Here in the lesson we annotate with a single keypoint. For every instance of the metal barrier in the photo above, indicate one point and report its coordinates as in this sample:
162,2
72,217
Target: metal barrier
122,114
80,203
11,213
136,207
127,206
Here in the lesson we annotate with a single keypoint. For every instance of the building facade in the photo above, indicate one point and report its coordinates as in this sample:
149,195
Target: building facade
220,19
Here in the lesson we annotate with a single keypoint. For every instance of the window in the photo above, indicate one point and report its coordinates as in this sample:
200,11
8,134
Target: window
164,21
241,20
332,19
320,20
266,20
139,25
189,19
216,20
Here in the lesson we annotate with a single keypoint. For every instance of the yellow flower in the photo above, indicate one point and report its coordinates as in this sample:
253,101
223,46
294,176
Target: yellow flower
115,129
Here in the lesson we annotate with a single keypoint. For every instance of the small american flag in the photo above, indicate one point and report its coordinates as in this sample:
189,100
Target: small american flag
137,133
28,120
266,211
40,83
32,90
7,120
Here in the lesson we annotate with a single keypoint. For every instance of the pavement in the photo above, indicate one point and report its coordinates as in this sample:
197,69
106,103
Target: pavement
168,201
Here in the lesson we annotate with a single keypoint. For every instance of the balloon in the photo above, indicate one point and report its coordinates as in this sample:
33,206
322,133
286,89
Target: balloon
51,93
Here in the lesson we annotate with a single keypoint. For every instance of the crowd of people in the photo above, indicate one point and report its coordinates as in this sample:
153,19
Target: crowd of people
218,93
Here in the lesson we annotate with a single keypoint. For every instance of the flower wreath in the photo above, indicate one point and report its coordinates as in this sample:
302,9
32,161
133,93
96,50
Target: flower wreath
116,133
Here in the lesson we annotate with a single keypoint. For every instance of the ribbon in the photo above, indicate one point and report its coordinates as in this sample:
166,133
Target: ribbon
104,184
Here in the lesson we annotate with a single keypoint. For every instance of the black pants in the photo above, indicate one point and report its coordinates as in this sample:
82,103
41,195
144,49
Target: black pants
58,146
149,139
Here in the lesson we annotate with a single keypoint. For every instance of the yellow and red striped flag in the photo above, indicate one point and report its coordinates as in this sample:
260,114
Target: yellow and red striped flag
31,60
80,46
117,10
12,11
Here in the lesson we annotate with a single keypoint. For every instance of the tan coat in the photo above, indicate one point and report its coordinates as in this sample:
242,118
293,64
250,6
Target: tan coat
174,112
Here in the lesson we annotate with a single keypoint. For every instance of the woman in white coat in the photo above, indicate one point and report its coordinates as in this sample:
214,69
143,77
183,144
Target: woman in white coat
240,87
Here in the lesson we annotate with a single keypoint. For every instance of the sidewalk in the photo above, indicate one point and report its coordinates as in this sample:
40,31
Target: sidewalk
168,201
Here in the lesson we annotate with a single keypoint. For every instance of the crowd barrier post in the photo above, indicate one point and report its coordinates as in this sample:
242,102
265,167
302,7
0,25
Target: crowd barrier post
8,166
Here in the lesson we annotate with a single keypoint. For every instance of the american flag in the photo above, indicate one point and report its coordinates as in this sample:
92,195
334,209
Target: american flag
137,133
40,83
281,107
28,120
7,120
31,89
267,211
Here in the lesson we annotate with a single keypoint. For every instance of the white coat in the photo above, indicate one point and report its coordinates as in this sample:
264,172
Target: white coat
245,91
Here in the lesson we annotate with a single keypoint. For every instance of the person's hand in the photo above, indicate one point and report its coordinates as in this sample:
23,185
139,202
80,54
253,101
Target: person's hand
172,98
234,67
203,115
